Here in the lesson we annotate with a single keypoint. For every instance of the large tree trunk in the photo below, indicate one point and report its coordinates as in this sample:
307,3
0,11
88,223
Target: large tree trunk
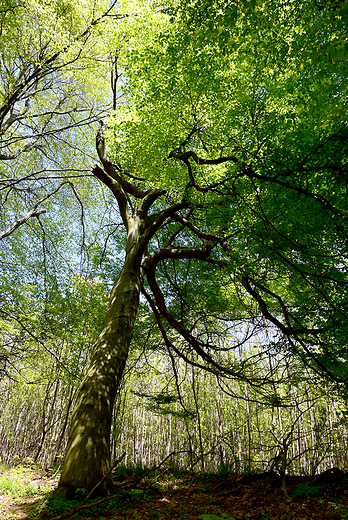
87,458
88,452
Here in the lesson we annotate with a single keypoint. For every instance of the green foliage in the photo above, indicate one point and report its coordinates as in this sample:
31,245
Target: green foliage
227,85
307,490
124,471
224,470
59,505
80,493
273,400
140,470
130,469
159,399
340,509
264,111
214,517
12,483
157,404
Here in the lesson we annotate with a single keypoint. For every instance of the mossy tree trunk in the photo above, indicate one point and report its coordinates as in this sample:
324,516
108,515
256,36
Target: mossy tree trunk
88,452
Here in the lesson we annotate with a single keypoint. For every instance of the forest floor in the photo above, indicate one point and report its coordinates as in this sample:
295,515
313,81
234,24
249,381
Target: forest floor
24,494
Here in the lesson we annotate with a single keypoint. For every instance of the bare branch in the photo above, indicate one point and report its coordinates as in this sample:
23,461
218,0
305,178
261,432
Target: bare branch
10,157
110,169
158,219
20,222
289,330
185,158
38,340
211,366
201,234
32,213
116,189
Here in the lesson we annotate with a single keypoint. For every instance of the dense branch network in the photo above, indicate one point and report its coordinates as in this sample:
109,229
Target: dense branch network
133,214
282,318
22,128
297,333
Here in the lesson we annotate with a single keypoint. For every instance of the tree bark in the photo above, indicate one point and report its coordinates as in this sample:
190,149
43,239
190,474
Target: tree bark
88,452
87,458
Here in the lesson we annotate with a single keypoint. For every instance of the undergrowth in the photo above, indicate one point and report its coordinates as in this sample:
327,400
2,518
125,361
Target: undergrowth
307,490
214,517
59,505
147,494
13,482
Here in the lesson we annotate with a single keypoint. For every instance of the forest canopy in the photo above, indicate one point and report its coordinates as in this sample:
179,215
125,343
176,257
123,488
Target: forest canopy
247,125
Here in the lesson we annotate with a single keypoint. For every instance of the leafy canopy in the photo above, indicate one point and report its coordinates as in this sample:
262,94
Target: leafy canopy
241,112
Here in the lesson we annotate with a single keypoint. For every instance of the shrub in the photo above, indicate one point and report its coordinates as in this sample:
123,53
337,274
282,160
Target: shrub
307,490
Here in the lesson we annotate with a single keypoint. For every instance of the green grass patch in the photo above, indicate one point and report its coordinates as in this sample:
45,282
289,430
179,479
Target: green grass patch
13,482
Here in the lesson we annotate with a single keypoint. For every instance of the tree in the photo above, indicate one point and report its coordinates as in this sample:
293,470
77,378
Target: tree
228,165
44,46
47,99
44,347
52,83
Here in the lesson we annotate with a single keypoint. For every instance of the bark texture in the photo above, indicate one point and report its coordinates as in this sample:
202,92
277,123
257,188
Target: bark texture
88,452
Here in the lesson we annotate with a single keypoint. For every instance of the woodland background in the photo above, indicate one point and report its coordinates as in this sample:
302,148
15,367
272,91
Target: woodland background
63,68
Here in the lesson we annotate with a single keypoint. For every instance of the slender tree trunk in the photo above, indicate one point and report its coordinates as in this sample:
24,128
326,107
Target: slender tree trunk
88,452
199,425
65,423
